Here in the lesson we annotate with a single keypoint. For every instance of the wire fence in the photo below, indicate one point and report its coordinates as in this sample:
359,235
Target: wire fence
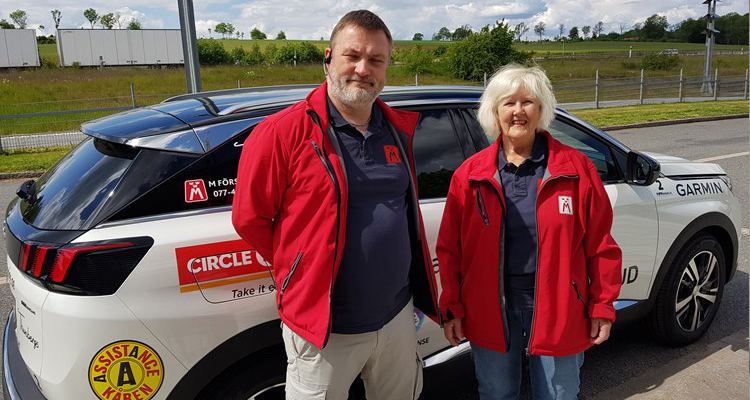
25,126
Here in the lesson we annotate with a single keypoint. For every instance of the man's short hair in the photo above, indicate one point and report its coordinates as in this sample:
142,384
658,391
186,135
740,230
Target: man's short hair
364,19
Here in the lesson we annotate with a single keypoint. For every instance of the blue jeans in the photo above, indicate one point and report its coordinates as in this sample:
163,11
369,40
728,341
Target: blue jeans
499,375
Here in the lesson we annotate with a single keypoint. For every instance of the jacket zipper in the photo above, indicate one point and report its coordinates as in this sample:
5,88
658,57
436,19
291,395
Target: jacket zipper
536,269
332,175
482,210
501,271
578,295
288,278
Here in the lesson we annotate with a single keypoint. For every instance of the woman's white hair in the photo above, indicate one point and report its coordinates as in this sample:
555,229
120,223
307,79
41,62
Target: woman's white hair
504,83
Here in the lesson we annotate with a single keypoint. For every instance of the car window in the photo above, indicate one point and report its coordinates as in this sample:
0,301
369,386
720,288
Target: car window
598,152
437,151
73,191
208,182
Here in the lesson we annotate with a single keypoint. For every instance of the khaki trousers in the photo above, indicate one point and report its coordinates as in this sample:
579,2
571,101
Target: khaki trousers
387,359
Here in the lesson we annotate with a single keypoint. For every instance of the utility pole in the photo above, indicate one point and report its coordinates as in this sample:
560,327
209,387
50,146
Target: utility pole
189,46
710,32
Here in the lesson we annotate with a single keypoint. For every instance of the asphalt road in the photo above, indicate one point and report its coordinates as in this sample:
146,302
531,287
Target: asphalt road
630,352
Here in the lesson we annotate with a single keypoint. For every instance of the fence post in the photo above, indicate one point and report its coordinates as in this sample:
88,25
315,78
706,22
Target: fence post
747,83
716,85
596,90
679,96
132,93
416,79
485,79
641,95
239,86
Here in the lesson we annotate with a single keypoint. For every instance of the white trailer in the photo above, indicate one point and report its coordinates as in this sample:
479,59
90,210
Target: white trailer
94,47
18,48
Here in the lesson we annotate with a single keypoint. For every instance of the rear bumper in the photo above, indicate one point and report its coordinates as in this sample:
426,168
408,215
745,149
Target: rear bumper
18,384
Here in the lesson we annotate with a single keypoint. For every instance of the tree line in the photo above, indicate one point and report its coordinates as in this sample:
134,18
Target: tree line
732,27
106,21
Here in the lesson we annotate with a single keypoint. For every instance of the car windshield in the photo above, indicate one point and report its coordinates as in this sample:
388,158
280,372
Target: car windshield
72,191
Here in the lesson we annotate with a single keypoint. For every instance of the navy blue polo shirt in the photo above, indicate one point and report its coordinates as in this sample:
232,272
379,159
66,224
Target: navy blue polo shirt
372,284
521,242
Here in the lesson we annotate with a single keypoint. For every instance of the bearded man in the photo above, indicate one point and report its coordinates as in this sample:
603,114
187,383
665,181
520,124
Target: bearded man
327,190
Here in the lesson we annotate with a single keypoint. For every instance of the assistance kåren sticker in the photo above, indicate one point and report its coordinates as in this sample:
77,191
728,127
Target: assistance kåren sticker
126,370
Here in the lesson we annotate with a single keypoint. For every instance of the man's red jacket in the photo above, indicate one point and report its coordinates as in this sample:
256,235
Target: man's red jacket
579,264
290,204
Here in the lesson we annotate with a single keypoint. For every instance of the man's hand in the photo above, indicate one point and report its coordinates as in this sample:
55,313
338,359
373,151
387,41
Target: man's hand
453,331
599,330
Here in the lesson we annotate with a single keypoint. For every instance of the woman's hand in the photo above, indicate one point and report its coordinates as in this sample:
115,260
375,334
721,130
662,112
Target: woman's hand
599,330
453,331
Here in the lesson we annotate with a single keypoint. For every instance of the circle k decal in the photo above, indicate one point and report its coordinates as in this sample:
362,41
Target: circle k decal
126,370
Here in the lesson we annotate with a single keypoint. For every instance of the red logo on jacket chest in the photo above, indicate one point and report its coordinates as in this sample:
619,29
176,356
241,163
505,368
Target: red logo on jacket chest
391,154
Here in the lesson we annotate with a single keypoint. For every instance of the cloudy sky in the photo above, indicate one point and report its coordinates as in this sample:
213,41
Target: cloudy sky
314,19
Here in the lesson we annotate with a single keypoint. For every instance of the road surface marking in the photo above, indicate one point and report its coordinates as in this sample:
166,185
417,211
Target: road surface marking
744,153
3,280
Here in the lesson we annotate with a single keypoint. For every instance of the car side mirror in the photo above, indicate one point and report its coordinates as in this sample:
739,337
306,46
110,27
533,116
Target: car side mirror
641,170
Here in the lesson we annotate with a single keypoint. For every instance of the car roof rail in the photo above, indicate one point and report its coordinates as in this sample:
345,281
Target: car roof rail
258,89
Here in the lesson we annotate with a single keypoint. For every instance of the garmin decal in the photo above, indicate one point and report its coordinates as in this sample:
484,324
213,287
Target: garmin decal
126,370
699,188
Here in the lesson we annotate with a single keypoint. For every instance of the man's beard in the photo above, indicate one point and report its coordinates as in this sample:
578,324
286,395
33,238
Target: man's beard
350,96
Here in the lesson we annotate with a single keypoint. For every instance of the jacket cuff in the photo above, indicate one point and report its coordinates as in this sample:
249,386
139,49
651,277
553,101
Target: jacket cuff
602,311
453,311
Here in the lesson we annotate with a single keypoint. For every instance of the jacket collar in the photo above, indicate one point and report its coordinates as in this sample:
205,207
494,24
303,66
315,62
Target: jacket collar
404,121
558,161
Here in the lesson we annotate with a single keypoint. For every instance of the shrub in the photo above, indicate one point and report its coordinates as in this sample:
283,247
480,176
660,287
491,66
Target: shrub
309,53
211,52
238,55
306,53
440,51
254,56
656,61
418,60
271,52
76,64
48,62
484,52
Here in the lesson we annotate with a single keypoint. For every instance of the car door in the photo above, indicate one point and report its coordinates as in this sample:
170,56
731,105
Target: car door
635,224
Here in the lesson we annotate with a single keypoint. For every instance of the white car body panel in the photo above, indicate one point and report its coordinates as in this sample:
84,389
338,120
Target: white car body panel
71,333
635,229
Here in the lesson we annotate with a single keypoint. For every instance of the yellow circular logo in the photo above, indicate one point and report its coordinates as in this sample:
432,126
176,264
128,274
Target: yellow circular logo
126,370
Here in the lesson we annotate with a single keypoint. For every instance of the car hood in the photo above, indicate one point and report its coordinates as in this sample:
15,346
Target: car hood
673,166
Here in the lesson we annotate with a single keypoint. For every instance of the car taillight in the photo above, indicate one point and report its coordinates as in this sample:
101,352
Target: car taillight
93,268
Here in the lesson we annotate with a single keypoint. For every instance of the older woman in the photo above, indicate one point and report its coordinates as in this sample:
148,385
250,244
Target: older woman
527,263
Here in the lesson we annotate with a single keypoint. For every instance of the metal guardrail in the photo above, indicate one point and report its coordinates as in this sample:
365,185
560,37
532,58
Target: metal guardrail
575,93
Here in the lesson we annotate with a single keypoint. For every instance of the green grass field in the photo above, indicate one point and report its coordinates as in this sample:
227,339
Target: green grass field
50,50
612,116
58,89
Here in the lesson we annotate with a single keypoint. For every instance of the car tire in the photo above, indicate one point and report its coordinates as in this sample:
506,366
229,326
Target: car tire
690,294
260,376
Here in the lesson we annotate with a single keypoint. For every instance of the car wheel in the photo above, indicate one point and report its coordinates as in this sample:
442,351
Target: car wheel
690,294
259,377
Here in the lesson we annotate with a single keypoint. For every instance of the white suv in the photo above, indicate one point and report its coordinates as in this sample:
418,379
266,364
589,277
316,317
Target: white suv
130,282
